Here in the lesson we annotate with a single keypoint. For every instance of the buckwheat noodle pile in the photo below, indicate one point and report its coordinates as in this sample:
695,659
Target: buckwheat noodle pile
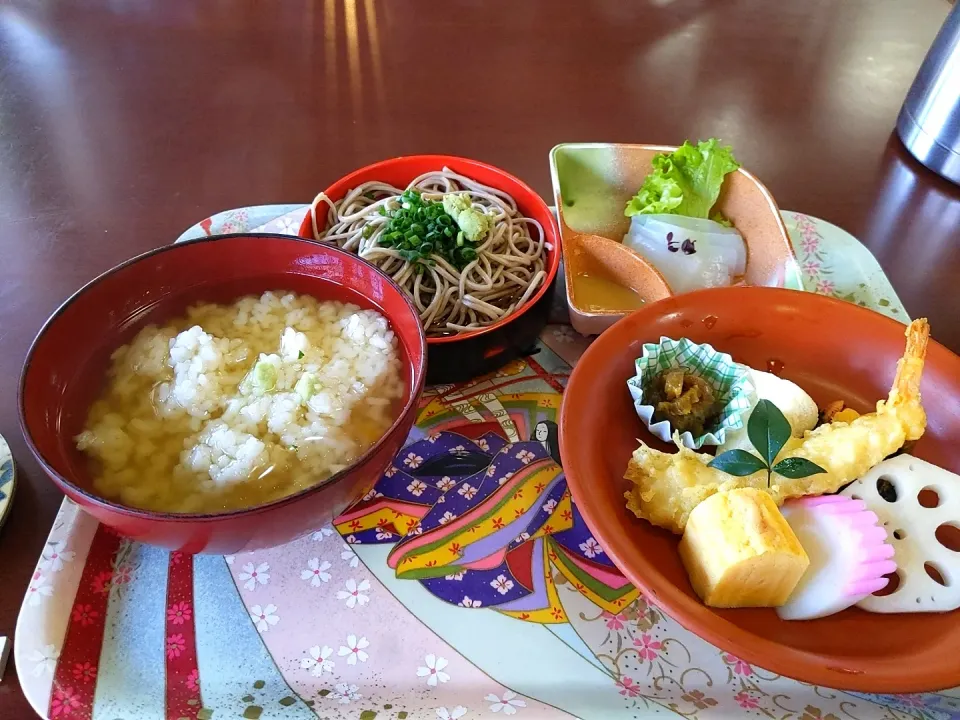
506,272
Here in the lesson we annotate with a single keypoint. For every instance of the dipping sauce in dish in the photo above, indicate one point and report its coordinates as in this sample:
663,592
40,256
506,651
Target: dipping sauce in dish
595,292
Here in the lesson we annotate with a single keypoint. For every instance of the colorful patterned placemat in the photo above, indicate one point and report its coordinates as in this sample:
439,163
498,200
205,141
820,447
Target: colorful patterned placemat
465,585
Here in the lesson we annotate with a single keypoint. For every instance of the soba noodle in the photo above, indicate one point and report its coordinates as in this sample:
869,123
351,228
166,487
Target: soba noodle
507,271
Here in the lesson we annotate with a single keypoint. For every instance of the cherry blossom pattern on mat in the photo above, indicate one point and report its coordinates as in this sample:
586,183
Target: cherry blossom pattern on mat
368,651
656,662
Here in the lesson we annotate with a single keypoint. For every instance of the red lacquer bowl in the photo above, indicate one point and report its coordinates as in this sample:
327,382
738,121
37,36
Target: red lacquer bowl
65,370
466,355
833,350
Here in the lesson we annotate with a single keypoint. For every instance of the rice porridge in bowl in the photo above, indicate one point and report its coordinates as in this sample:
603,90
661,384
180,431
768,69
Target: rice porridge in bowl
234,405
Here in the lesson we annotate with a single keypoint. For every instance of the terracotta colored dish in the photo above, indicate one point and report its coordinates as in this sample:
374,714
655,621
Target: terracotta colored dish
65,369
834,350
592,183
460,357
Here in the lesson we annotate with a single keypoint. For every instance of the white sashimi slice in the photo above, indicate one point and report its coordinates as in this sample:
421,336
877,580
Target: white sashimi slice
923,561
730,248
727,241
847,551
690,253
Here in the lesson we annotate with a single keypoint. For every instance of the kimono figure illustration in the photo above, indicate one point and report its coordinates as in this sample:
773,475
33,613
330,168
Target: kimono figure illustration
547,434
483,522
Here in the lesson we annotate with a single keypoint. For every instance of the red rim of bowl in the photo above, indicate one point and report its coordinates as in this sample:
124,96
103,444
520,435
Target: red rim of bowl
420,374
551,235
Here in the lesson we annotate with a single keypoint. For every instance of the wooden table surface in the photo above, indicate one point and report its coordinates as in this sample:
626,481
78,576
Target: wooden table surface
122,123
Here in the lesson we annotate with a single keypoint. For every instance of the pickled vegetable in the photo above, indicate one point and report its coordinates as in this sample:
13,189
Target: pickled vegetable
685,400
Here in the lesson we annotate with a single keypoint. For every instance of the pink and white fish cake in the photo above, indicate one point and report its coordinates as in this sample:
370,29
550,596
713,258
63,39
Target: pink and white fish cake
849,555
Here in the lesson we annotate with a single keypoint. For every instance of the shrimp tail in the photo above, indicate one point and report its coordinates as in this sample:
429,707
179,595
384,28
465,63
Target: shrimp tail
906,384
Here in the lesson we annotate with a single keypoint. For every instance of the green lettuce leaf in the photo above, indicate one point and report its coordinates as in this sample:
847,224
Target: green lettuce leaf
685,182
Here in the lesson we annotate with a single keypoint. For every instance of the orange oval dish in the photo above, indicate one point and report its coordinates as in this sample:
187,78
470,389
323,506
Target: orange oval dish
833,350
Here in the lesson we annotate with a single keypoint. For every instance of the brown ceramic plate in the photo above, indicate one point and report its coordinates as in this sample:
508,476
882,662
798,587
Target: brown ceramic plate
832,349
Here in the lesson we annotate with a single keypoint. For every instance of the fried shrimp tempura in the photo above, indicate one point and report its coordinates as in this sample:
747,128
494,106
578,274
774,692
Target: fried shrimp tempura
668,486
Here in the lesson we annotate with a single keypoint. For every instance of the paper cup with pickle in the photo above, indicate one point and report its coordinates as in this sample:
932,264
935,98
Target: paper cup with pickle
691,389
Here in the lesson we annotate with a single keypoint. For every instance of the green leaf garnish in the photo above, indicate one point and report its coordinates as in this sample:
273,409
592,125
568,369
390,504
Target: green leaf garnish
768,430
796,468
738,463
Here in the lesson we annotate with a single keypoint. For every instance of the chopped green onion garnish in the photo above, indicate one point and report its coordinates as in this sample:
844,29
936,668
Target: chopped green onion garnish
421,228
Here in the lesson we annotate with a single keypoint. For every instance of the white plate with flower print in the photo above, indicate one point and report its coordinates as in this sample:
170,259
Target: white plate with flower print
8,479
834,263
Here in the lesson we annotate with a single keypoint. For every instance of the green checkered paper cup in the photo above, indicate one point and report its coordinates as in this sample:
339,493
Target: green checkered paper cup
729,381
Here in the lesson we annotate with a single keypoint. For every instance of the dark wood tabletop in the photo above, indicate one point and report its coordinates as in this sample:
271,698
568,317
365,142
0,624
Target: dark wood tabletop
122,123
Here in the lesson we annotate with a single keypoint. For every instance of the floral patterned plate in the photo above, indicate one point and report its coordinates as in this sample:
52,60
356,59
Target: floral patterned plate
833,262
284,219
8,480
